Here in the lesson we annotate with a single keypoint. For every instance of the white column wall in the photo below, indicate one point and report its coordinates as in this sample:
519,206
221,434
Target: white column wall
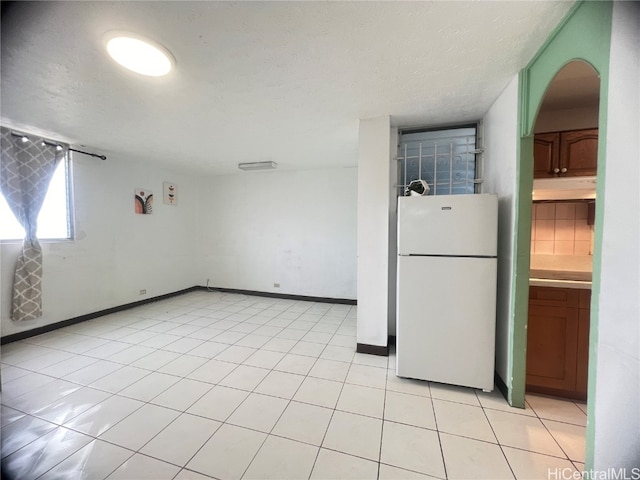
500,133
393,229
617,390
373,231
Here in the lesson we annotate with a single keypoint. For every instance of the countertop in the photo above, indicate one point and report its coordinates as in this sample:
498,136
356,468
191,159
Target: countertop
567,271
545,282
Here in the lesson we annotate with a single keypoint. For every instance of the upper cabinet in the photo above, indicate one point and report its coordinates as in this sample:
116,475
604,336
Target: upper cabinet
579,153
546,154
565,154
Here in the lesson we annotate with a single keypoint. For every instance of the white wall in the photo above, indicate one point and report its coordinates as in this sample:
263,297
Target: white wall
617,391
245,231
117,253
373,230
500,134
567,119
295,228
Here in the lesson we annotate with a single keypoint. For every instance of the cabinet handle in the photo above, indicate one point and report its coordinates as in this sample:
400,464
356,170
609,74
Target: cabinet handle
564,170
556,170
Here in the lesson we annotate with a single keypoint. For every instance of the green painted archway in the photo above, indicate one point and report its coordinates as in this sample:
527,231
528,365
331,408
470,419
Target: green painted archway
584,34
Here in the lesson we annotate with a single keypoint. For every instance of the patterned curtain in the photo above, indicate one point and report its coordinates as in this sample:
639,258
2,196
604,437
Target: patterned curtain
27,164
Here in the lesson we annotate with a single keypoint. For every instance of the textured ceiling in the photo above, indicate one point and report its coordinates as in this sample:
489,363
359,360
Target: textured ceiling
280,81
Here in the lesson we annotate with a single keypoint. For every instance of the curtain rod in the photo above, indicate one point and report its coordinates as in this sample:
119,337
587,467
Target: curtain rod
101,157
54,144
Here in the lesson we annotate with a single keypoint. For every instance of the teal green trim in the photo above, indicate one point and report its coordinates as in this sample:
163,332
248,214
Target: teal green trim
526,124
597,260
520,279
585,34
521,258
551,38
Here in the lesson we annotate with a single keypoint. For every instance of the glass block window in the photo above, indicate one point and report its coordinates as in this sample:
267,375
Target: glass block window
444,158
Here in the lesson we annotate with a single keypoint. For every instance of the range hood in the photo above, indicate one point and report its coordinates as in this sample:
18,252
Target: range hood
564,188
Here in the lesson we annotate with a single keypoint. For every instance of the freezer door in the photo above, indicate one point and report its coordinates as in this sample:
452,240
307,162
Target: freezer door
448,225
446,312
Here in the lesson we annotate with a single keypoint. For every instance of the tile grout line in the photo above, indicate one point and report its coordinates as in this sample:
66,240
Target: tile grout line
282,413
287,406
184,412
94,439
435,419
553,436
384,410
521,448
504,455
325,344
83,433
238,406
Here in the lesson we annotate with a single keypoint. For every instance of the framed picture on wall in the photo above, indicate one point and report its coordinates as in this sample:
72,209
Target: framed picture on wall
143,199
170,193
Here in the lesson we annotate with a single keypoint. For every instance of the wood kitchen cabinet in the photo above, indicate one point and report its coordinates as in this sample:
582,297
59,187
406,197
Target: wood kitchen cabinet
546,154
558,341
565,154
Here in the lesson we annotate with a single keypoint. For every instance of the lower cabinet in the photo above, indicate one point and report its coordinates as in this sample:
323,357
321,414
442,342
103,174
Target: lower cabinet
558,341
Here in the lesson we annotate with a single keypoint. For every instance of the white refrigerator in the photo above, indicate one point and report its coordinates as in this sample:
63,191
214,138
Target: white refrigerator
446,289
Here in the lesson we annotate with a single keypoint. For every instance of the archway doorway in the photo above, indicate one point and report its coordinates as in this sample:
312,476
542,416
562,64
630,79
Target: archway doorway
562,235
585,34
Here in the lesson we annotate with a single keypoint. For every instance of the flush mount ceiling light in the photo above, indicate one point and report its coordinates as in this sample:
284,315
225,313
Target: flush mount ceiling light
139,54
257,166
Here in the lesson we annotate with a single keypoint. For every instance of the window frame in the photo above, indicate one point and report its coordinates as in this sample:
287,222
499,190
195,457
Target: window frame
66,163
477,152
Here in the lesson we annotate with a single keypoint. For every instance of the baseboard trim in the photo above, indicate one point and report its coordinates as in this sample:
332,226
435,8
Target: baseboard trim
553,392
284,296
380,350
89,316
502,387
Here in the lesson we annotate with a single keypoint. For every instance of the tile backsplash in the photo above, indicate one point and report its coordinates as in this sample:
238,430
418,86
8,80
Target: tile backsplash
560,229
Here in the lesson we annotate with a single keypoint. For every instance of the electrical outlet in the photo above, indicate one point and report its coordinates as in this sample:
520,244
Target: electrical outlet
143,292
277,285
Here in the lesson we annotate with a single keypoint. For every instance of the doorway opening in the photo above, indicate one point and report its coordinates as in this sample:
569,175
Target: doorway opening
565,154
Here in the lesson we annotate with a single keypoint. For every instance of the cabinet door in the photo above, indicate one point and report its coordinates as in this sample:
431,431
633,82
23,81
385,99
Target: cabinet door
552,344
554,297
579,153
546,154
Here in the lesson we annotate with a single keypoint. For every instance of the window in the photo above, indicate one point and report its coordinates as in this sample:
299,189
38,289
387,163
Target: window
54,220
444,158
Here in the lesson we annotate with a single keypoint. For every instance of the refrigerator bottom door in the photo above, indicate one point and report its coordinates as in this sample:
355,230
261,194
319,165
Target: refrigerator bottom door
446,313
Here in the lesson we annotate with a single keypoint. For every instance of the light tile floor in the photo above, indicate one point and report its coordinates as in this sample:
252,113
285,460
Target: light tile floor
227,386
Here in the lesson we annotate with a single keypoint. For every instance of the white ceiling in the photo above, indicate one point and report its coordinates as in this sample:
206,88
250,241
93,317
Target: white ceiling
280,81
